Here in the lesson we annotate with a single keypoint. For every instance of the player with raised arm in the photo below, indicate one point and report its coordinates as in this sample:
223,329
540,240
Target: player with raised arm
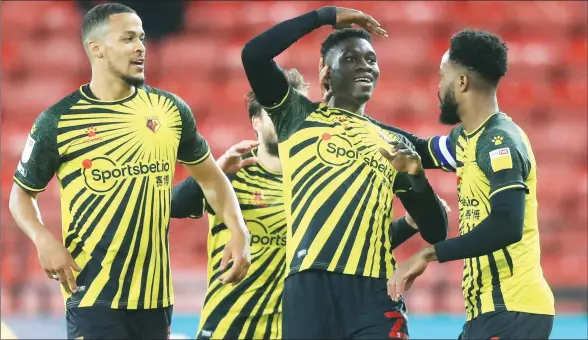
338,187
506,294
113,146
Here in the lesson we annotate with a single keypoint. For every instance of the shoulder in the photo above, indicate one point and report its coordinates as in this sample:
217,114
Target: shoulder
51,116
502,131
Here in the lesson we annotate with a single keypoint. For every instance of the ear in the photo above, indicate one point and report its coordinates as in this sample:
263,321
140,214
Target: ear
256,122
464,83
95,49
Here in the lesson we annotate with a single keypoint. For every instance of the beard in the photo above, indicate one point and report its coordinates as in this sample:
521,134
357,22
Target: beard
129,80
272,147
449,109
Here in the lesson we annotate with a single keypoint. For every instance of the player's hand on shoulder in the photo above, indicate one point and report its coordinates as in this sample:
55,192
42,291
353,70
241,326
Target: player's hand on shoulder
56,261
402,158
236,249
232,161
347,17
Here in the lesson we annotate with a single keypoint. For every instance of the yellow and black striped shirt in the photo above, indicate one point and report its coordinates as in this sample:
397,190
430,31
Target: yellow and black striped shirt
252,309
338,188
490,159
115,163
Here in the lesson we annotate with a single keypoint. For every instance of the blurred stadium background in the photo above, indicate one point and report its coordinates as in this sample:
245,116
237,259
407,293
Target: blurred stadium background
193,50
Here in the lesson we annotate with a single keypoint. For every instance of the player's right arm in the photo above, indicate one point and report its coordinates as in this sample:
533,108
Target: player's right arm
39,162
437,152
286,106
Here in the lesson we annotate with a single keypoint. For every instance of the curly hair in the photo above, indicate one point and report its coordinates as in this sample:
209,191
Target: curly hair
295,80
481,52
337,36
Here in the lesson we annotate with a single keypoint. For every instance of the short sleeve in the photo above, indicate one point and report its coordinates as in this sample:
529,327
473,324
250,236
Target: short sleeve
40,158
442,150
290,112
193,147
502,158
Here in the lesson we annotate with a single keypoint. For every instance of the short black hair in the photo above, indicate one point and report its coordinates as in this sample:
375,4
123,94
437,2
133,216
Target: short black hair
99,15
480,51
339,35
295,80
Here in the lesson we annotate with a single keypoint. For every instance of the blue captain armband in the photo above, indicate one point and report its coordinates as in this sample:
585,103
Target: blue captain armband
443,153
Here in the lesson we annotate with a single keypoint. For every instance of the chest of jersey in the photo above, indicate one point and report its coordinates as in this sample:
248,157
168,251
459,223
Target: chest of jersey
114,143
472,186
342,140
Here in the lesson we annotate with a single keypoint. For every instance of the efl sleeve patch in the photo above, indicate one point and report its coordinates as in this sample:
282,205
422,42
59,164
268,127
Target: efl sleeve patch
500,159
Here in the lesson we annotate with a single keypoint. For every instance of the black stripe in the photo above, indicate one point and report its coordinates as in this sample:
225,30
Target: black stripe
74,155
311,124
497,297
250,184
167,195
268,326
271,215
145,275
384,239
111,287
320,216
92,111
247,309
124,297
76,197
130,158
217,250
302,167
93,268
275,279
256,171
366,244
218,228
69,178
480,283
333,241
300,146
508,260
128,150
471,288
85,209
299,191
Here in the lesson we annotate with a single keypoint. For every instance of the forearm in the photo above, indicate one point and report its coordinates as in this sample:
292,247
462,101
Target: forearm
187,200
25,211
218,192
503,227
266,79
425,208
400,231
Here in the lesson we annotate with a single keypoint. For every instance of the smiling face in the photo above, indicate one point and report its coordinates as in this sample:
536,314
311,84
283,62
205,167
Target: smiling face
354,69
118,48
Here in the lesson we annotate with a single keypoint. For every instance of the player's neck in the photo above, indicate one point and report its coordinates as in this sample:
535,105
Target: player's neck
476,111
110,89
268,160
345,104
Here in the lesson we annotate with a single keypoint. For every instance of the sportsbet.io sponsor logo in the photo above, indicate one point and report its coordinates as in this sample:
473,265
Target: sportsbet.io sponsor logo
262,238
101,174
336,150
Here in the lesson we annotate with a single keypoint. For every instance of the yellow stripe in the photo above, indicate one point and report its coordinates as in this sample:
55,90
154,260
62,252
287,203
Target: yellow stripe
27,187
200,160
280,103
512,186
431,151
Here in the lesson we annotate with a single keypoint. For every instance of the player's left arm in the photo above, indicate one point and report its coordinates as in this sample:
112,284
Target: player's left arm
502,158
416,194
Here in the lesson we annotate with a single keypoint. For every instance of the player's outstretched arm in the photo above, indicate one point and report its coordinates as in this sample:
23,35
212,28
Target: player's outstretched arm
223,200
187,196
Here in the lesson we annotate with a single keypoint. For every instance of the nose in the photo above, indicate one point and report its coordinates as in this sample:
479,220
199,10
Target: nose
363,65
140,47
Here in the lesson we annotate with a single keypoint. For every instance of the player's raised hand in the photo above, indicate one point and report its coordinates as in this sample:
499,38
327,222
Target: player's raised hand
236,249
347,17
232,161
405,274
326,91
56,261
402,158
413,224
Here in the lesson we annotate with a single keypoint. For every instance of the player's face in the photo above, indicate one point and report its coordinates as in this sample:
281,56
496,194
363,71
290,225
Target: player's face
266,132
447,101
124,51
354,69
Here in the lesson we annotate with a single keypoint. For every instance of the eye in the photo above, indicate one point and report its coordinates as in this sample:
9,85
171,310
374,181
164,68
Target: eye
372,60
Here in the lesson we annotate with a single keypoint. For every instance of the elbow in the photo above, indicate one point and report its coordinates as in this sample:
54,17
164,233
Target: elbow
439,234
248,54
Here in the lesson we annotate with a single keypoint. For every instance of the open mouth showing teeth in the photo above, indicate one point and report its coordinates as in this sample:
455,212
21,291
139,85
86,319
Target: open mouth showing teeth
363,80
140,63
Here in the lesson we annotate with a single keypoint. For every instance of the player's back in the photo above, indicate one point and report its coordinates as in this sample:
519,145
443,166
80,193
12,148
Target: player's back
115,163
251,309
510,278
